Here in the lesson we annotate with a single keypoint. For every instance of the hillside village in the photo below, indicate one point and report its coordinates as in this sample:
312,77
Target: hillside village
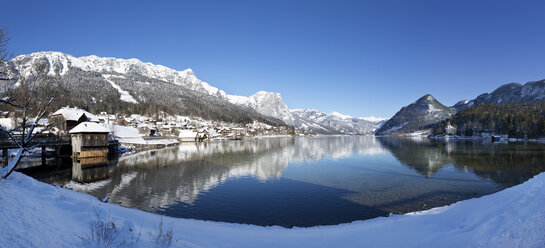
141,131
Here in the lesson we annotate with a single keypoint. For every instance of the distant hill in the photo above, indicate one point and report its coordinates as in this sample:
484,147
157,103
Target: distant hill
423,114
512,109
533,91
517,120
427,113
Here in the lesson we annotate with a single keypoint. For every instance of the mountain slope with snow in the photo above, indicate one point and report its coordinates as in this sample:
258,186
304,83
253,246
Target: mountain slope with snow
117,85
421,115
128,85
267,103
335,123
533,91
58,64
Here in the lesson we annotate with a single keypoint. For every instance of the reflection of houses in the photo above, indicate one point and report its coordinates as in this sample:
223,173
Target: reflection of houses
67,118
89,139
90,169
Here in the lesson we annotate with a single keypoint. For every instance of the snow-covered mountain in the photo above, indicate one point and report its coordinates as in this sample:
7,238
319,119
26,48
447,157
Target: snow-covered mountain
374,119
460,105
533,91
421,115
57,64
267,103
118,85
312,120
113,84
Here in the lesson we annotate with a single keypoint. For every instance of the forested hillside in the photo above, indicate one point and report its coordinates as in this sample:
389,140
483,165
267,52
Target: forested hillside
518,120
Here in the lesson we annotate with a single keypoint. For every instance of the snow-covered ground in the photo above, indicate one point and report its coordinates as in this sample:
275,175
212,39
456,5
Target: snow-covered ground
35,214
130,135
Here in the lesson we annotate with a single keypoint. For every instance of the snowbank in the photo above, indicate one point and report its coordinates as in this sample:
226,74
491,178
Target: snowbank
127,134
34,214
131,136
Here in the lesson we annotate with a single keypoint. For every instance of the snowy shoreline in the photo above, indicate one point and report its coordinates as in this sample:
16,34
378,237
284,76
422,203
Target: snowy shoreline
35,214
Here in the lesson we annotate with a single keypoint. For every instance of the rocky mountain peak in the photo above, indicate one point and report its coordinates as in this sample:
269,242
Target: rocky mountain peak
421,115
426,98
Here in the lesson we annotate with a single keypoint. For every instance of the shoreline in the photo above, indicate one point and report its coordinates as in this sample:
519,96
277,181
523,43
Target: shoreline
33,212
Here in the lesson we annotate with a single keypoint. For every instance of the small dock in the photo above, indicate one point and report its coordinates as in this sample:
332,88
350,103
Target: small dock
60,145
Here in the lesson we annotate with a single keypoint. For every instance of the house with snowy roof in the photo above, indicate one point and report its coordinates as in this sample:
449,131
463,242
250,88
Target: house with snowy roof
67,118
89,139
186,135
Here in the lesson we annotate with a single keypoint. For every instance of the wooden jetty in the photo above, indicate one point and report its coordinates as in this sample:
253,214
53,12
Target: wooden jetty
60,144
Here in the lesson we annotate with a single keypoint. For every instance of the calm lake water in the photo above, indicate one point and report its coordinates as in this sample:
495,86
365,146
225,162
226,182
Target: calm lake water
304,181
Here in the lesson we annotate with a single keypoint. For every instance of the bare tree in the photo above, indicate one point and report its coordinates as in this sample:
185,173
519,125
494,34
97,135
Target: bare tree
21,102
4,54
25,131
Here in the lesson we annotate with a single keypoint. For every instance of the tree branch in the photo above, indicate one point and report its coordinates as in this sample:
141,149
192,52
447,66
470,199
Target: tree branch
10,135
10,101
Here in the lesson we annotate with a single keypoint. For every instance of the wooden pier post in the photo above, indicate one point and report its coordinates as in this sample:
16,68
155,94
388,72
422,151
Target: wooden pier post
58,151
4,157
43,156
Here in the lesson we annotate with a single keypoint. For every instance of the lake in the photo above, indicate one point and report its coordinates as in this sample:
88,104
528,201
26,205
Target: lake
303,181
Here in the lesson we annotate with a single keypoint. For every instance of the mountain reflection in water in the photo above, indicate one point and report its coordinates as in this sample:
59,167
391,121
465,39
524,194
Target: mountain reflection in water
306,181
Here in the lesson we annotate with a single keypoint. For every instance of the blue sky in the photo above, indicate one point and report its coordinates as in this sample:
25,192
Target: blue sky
359,58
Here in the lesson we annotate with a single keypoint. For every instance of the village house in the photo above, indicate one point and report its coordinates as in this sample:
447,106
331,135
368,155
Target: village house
238,132
89,139
186,135
450,130
122,121
202,134
146,129
67,118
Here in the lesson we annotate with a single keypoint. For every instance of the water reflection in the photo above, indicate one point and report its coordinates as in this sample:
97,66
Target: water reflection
87,170
505,164
182,173
348,178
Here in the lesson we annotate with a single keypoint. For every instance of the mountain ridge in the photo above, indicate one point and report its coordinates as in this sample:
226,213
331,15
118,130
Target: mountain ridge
420,115
334,123
142,83
118,85
533,91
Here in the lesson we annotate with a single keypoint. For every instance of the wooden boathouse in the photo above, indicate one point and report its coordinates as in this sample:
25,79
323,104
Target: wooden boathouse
89,139
67,118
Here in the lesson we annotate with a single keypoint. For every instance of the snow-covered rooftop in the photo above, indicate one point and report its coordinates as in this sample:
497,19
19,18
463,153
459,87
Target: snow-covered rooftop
73,114
7,123
89,127
187,134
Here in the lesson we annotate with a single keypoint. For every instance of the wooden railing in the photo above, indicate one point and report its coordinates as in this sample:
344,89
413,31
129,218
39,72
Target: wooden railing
45,140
